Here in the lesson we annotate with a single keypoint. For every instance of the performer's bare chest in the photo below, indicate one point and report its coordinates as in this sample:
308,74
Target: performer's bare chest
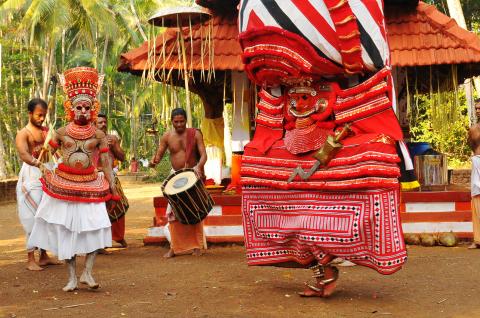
177,144
78,153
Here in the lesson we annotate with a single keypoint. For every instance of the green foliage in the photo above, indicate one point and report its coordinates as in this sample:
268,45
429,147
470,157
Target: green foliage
161,172
441,119
471,11
40,38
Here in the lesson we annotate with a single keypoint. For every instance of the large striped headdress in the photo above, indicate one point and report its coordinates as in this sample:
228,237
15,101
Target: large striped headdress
284,40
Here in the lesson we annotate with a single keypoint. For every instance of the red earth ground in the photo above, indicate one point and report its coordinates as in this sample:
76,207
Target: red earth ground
139,282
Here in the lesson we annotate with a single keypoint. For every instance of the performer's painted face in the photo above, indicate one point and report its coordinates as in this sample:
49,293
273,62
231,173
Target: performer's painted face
179,123
102,124
304,101
37,117
82,110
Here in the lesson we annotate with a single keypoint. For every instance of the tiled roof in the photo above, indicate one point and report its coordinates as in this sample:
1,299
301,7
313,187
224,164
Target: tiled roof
227,51
428,37
422,37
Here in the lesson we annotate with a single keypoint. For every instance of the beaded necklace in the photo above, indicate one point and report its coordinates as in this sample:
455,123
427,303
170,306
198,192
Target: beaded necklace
80,132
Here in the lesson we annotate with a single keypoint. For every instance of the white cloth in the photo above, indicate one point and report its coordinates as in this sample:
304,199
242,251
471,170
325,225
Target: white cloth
29,194
69,228
213,166
144,162
475,176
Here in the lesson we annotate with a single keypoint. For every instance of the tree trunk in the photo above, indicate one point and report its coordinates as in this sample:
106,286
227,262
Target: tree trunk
47,71
137,20
3,157
456,12
35,79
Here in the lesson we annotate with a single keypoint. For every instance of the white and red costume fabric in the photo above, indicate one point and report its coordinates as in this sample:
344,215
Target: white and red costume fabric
72,216
330,62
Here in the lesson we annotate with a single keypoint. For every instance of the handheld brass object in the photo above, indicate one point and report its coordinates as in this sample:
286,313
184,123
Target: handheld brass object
329,149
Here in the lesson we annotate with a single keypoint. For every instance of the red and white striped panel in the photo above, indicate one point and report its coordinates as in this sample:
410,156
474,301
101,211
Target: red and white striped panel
435,212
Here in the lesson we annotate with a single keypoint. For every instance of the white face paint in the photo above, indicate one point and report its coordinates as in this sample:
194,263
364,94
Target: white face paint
82,109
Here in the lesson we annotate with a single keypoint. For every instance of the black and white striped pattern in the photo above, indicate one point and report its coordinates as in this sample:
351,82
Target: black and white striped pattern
296,16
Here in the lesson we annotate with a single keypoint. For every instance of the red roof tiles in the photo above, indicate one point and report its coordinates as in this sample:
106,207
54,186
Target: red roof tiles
421,37
428,37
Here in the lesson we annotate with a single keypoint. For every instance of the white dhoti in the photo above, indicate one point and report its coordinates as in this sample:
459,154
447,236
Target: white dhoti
69,228
29,194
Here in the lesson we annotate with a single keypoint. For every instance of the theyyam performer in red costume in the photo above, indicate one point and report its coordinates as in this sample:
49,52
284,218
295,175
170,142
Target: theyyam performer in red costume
72,218
320,177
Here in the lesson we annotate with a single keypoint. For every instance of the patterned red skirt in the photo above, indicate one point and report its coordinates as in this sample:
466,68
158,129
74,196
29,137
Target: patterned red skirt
301,226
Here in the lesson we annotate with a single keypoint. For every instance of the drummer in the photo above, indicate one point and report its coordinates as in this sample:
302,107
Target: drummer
187,150
116,154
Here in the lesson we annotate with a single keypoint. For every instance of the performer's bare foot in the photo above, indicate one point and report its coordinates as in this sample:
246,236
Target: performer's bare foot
72,278
474,246
197,252
87,279
33,266
324,287
123,243
47,260
31,263
71,286
103,251
169,254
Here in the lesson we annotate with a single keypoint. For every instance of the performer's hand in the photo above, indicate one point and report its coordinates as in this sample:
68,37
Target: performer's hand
151,164
110,141
198,171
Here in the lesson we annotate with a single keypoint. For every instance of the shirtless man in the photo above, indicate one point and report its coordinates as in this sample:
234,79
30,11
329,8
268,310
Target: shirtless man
184,238
29,143
115,152
474,142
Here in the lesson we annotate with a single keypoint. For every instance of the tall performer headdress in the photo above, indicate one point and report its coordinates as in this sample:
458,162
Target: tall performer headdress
81,85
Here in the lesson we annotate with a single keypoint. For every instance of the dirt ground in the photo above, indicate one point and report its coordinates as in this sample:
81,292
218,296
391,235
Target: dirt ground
139,282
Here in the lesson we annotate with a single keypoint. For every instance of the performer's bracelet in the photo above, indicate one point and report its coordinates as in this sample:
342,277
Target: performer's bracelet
53,144
115,197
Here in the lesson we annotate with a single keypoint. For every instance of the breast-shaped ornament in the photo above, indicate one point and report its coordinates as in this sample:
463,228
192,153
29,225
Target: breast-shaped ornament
79,160
89,145
69,144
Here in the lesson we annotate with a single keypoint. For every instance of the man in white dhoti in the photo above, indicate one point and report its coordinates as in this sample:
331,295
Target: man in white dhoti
72,218
29,142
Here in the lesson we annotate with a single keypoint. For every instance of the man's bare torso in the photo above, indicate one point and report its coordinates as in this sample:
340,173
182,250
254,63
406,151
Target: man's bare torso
35,137
474,138
177,147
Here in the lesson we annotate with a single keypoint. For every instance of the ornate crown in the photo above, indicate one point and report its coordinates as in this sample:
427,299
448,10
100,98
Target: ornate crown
81,83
